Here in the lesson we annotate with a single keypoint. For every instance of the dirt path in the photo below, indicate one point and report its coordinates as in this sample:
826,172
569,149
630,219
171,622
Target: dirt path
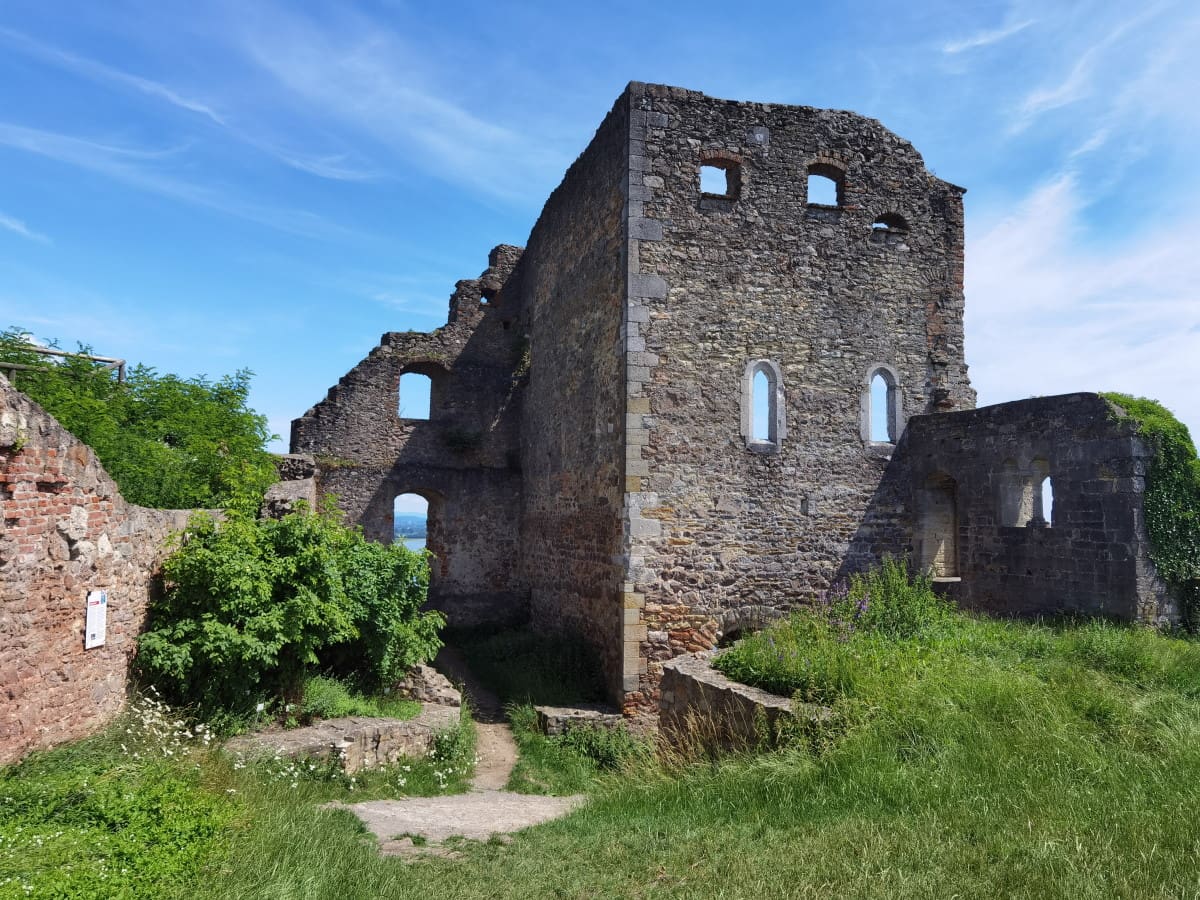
487,810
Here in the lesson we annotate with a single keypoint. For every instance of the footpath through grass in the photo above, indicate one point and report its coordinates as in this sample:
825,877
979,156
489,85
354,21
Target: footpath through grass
969,758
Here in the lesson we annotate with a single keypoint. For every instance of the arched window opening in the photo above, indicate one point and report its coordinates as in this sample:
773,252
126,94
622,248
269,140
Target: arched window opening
760,412
825,185
882,428
714,180
410,520
937,526
890,222
415,390
1047,501
881,406
1026,495
763,425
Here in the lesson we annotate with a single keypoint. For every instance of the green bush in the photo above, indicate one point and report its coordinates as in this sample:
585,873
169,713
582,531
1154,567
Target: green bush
168,442
252,607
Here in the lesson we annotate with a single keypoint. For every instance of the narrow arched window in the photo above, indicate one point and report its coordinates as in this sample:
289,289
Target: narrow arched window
413,402
881,420
410,520
763,425
1048,500
881,406
760,409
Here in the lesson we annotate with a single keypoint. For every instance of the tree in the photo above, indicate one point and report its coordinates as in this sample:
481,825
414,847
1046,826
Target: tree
168,442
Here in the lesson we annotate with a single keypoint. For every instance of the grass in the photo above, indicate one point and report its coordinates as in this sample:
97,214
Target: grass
331,698
981,759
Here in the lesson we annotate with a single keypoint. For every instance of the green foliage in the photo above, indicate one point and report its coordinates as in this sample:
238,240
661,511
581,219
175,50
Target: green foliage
330,698
571,763
252,607
124,814
1172,499
168,442
854,632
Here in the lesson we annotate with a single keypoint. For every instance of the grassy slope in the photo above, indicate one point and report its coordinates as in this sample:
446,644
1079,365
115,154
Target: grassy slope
1013,760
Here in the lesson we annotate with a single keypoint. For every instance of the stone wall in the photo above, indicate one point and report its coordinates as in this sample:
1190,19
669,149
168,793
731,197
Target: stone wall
573,281
972,485
65,531
464,459
700,707
817,296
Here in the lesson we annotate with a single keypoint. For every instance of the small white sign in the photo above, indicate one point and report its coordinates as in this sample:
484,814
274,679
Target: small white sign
97,619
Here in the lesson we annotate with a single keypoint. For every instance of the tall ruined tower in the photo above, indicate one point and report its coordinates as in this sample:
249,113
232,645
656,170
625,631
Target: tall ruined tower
592,458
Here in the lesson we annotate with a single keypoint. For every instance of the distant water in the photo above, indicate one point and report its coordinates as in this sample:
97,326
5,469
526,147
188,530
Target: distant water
414,543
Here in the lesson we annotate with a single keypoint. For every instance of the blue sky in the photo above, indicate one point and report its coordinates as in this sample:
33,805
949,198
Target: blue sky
208,186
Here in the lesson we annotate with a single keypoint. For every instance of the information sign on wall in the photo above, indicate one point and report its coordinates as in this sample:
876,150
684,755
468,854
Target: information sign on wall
97,619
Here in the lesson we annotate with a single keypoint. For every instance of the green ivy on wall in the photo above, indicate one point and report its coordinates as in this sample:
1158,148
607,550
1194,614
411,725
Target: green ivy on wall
1172,500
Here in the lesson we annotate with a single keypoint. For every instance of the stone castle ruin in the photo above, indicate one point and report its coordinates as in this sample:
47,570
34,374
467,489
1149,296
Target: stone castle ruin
652,427
595,458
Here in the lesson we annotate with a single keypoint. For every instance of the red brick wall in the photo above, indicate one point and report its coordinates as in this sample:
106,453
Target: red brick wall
65,531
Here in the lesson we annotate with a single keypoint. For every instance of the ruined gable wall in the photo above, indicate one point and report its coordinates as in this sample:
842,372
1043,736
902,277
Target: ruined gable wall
65,530
719,528
572,450
463,459
1093,557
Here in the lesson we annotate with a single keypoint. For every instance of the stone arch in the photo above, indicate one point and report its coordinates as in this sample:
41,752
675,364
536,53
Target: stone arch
831,168
893,404
435,535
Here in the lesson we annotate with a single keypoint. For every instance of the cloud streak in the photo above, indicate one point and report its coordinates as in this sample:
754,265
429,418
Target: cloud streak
143,169
16,226
986,38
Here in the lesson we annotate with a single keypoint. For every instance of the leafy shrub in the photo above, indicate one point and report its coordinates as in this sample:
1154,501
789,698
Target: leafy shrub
168,442
251,607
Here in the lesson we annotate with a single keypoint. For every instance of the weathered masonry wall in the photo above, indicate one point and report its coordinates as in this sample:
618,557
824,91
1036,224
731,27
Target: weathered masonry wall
573,280
975,482
464,459
817,297
65,531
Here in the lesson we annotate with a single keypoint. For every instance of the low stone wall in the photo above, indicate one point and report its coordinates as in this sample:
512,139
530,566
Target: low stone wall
360,743
65,531
699,705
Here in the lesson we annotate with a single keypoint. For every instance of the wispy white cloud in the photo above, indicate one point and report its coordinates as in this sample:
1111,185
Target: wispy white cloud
1086,74
145,170
1048,313
16,226
987,37
90,68
339,167
355,72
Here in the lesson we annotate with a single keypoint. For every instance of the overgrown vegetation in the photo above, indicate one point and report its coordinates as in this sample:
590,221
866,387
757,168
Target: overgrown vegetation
151,809
819,654
999,759
168,442
1172,500
252,608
